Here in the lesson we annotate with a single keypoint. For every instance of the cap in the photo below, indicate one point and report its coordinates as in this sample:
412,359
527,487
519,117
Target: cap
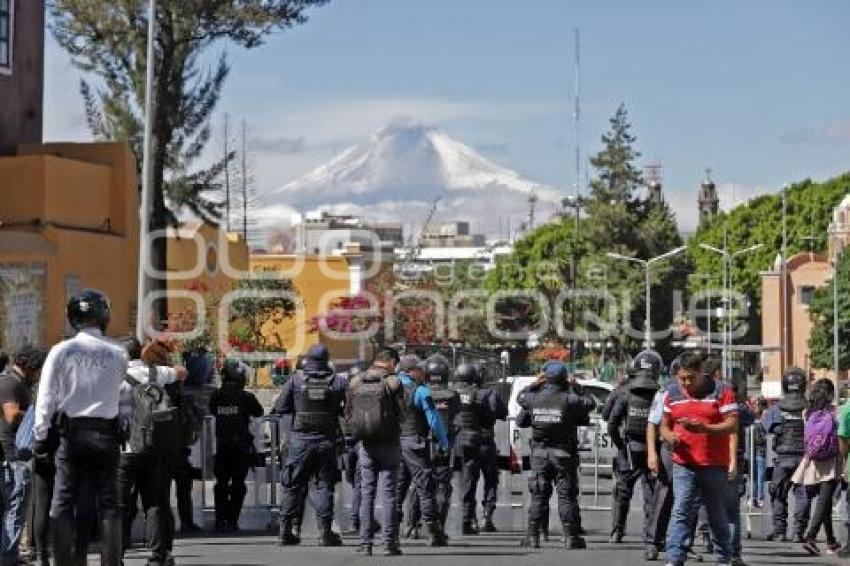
318,352
555,370
409,362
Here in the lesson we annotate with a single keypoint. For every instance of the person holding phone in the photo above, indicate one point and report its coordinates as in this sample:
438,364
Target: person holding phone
700,414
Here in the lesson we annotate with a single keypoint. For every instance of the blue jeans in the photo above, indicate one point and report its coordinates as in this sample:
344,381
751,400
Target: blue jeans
17,486
687,481
761,466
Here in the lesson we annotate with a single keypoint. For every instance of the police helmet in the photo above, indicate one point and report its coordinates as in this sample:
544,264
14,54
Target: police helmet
437,367
235,372
89,308
555,372
468,373
794,381
647,361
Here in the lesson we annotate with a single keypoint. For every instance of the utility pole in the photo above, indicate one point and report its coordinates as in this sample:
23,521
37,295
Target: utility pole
836,358
226,173
244,187
147,179
785,323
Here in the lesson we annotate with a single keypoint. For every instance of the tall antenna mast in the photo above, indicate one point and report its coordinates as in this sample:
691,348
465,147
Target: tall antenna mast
576,115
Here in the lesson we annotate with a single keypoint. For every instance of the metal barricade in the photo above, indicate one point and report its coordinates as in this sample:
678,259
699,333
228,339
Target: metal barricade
263,480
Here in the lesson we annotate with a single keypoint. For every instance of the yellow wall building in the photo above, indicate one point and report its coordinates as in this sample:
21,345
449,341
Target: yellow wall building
68,220
318,281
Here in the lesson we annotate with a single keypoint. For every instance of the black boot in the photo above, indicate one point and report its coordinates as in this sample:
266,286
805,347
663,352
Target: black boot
328,537
575,543
111,549
532,537
488,526
286,537
436,536
63,532
468,529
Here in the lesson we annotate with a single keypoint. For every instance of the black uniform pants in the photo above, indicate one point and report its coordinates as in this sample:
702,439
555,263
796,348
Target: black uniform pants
780,488
87,466
149,475
417,470
476,460
662,500
559,466
182,475
44,475
230,469
632,468
443,491
309,457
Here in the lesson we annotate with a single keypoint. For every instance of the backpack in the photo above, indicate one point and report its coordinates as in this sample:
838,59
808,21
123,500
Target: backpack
821,436
372,416
155,421
189,420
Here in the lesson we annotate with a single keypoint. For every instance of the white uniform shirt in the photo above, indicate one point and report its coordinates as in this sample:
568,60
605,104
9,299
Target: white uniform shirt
81,377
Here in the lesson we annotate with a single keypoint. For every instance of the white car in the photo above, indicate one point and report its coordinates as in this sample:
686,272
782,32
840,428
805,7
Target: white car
515,446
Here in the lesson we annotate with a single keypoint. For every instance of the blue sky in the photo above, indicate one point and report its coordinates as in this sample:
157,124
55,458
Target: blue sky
759,91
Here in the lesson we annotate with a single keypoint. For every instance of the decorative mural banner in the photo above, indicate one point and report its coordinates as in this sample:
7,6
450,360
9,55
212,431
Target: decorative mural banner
22,288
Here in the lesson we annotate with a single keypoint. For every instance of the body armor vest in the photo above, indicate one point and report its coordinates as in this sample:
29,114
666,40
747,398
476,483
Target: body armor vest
446,402
413,423
469,416
791,440
314,407
637,416
551,425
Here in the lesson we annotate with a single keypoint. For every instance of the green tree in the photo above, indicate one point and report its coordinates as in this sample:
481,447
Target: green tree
821,312
107,39
759,221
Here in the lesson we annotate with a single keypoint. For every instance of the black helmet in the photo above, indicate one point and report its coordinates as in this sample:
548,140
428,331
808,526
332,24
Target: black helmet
437,367
89,308
234,371
468,373
647,361
794,381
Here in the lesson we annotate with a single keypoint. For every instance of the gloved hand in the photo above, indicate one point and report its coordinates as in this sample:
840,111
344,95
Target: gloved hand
443,455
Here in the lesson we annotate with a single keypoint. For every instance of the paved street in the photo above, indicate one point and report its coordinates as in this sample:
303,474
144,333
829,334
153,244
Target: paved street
490,550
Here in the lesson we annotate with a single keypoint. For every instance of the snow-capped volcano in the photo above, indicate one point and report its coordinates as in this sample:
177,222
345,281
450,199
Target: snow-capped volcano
402,168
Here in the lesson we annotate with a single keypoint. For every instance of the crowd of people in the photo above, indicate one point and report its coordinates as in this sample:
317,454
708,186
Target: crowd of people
92,427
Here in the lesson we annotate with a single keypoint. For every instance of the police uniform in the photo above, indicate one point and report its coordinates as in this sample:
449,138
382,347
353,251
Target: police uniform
447,404
80,381
554,414
785,421
479,410
378,457
233,408
417,466
627,429
315,398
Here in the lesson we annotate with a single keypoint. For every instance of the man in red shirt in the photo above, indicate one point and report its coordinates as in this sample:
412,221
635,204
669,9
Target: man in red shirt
700,414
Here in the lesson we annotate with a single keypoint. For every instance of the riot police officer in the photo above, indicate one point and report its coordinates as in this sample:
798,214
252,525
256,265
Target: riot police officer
627,429
80,384
315,398
417,466
233,408
554,413
447,403
479,410
785,421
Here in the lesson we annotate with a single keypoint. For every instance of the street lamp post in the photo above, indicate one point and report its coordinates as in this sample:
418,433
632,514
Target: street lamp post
836,359
574,202
728,259
706,277
647,263
147,174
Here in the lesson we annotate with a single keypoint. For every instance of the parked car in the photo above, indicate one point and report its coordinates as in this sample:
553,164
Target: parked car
514,443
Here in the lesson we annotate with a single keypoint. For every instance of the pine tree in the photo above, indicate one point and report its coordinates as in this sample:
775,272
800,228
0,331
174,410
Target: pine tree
108,40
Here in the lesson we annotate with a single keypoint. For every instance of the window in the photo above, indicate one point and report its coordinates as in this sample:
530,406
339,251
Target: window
7,20
807,293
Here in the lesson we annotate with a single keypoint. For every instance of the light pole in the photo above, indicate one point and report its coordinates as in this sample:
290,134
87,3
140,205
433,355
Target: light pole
728,259
706,277
836,359
574,202
647,263
147,174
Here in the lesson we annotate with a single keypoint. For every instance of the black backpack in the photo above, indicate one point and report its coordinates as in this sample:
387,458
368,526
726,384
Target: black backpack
154,425
372,415
189,420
